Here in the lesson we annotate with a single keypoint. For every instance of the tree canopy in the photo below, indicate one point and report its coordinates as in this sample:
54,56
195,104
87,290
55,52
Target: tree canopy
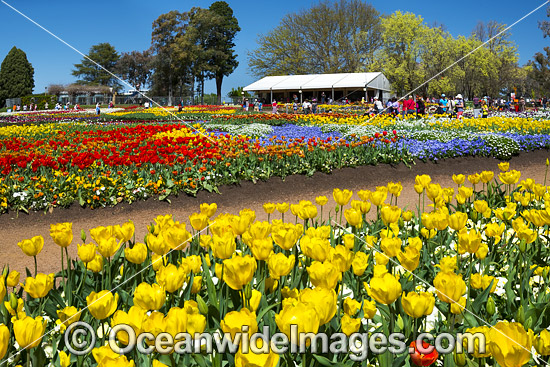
192,47
330,37
16,76
89,73
135,67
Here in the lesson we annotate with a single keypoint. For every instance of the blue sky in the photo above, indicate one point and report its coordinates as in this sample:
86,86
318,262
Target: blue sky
127,26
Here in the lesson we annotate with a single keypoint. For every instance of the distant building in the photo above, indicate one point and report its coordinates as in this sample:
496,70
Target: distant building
353,86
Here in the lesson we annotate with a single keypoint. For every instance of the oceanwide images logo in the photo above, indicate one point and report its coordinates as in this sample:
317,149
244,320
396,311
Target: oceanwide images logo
80,340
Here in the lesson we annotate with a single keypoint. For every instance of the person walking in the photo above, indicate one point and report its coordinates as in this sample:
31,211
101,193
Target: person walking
409,106
477,107
443,102
459,105
274,106
420,107
378,107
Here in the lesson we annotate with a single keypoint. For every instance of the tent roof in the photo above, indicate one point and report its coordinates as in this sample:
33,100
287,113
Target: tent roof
313,81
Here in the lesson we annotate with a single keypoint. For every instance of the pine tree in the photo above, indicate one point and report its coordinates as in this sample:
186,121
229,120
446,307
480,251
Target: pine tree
16,76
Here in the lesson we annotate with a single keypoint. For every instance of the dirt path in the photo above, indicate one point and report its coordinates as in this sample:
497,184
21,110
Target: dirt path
15,228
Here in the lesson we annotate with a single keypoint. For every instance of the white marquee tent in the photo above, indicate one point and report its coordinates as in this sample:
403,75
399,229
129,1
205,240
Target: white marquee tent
335,86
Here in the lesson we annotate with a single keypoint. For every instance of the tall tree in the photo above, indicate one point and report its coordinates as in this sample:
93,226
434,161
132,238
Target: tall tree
90,73
223,60
16,75
405,37
330,37
135,67
170,70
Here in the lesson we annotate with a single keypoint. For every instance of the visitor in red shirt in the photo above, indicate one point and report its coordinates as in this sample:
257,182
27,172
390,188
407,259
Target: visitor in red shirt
409,107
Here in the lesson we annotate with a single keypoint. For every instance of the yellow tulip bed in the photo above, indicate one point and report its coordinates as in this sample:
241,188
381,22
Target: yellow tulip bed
470,258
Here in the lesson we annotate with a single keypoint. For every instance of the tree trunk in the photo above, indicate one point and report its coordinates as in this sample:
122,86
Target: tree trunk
202,89
219,80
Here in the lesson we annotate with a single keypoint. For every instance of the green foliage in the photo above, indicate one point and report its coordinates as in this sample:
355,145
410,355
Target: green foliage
330,37
89,73
16,76
40,100
135,67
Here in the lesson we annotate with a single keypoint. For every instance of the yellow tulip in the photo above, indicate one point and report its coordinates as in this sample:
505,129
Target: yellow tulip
156,363
417,305
385,289
102,304
458,307
4,340
101,233
307,211
510,345
29,331
33,246
324,301
157,244
223,247
458,220
504,166
351,306
423,180
12,280
193,262
390,214
487,176
395,188
474,178
433,191
149,296
269,208
262,248
341,257
108,247
262,356
239,271
321,200
96,265
135,317
255,300
364,195
360,263
234,321
38,287
353,217
282,207
124,232
287,235
64,359
62,234
419,189
469,241
378,197
171,278
239,224
197,284
303,316
410,258
104,353
407,215
198,221
450,286
177,237
459,179
479,330
509,178
350,325
280,265
136,254
324,275
542,343
391,246
86,253
209,209
342,197
381,258
67,316
369,309
315,248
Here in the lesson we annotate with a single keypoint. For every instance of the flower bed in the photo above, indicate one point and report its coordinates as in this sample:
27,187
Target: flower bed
477,262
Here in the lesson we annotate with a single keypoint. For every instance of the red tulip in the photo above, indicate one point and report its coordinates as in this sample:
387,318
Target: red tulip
420,359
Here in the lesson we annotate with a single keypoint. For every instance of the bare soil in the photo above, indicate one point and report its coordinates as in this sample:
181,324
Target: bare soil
15,227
